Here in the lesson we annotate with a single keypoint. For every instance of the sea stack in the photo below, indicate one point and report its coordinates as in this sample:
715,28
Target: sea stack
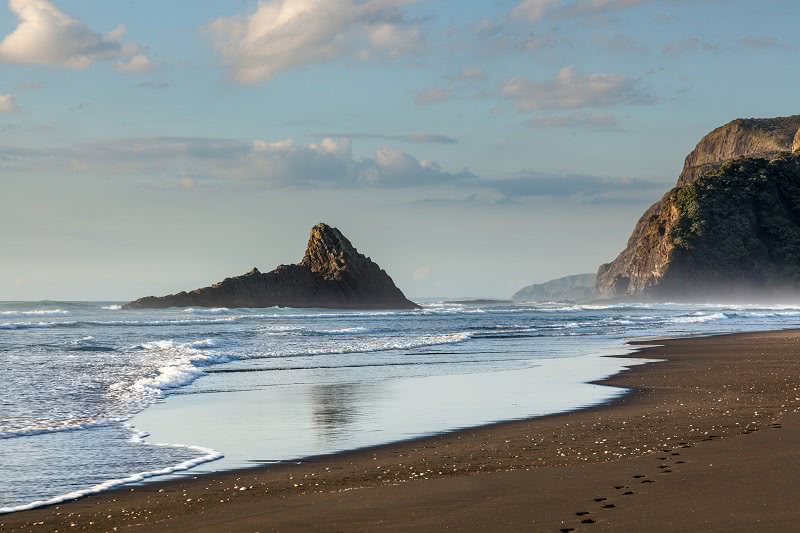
729,230
332,274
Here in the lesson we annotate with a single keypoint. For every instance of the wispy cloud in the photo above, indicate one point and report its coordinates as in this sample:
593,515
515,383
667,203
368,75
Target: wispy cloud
30,86
581,188
536,10
48,36
157,85
691,45
573,90
600,121
469,74
762,43
283,34
433,96
414,138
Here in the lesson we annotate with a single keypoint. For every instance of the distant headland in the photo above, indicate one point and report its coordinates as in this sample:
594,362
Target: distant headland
729,230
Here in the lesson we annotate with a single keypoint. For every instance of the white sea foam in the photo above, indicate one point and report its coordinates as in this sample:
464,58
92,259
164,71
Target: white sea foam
208,311
341,331
36,325
186,366
698,318
113,307
38,427
206,455
41,312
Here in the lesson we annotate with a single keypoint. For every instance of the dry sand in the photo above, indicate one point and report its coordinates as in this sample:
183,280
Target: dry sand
708,440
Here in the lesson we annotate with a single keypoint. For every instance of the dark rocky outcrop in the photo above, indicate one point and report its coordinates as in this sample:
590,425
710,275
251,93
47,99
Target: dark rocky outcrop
332,274
729,230
577,288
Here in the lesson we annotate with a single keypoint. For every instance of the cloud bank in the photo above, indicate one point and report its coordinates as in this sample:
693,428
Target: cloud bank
282,163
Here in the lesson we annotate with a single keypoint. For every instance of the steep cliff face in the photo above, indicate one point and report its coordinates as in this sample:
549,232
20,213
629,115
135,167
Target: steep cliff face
732,231
577,288
332,274
742,137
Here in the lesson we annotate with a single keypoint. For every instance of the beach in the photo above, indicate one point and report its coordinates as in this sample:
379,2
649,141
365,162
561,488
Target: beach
706,439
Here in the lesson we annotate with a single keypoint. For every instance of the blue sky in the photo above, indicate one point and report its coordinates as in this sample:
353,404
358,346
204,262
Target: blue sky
469,147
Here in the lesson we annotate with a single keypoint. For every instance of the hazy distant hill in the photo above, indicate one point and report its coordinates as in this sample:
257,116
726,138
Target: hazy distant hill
575,288
729,229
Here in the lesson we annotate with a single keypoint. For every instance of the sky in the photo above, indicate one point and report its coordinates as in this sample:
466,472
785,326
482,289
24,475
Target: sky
469,147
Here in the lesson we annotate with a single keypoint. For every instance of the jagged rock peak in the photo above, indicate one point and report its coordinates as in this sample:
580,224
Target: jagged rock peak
739,138
329,253
332,274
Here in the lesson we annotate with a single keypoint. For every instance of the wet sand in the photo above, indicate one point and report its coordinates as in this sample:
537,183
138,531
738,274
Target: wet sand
707,440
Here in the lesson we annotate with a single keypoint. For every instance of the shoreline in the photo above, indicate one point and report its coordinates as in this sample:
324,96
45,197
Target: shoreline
170,503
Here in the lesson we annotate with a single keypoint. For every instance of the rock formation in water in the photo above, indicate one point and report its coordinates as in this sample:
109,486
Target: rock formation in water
730,228
332,274
577,288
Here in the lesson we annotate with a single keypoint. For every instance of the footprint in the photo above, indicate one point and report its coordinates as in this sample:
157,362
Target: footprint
680,462
648,481
628,493
588,521
600,499
675,453
639,476
566,529
662,458
663,466
619,487
666,471
609,506
582,513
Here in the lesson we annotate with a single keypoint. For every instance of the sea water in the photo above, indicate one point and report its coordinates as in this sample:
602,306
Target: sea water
84,383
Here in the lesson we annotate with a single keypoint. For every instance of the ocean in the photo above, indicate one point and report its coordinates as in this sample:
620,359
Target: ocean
95,397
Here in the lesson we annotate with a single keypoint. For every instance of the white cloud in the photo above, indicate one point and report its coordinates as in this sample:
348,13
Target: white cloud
7,103
395,39
283,34
135,64
46,35
572,90
433,96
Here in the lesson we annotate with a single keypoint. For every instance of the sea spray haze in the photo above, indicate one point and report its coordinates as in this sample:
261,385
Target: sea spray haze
75,373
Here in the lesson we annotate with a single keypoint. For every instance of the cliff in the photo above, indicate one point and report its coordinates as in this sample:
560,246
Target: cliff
575,288
740,138
729,229
332,274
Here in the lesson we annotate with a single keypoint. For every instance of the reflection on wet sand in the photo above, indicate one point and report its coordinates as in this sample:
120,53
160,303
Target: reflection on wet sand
338,407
